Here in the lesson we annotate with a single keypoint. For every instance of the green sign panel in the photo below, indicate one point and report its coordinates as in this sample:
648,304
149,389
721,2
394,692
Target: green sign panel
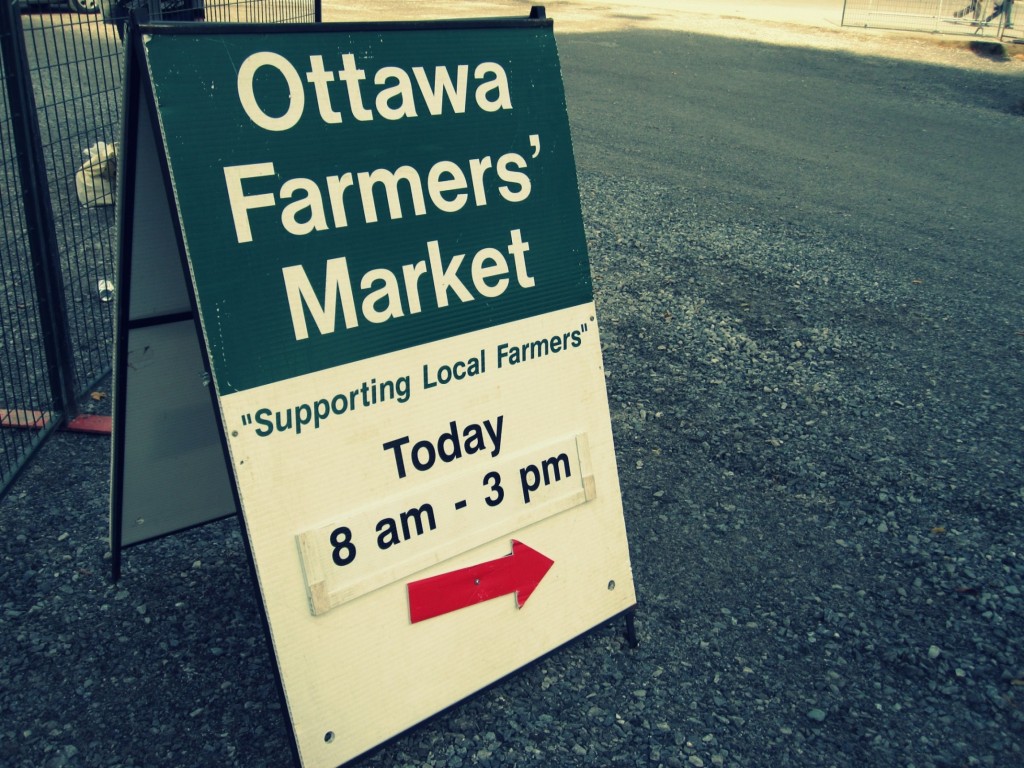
351,193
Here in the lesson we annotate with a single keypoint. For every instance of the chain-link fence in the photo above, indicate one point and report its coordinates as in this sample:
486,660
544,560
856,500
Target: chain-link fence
59,125
75,62
979,18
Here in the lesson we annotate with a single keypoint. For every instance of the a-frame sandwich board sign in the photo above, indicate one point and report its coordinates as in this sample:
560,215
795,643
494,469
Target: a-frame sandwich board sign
382,244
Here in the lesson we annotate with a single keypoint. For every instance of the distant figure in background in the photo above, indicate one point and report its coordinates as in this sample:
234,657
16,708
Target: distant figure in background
116,11
974,9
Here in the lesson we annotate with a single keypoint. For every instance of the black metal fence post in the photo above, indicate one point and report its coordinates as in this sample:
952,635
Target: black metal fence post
42,236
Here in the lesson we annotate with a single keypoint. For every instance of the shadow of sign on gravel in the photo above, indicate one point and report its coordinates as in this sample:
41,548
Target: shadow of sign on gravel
809,285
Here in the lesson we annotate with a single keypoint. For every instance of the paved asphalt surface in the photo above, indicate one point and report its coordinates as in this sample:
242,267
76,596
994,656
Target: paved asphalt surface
806,246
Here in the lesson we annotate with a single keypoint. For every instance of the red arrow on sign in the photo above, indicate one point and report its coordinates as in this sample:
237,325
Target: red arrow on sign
519,572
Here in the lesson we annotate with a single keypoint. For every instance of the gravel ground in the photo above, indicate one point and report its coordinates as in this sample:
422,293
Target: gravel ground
820,441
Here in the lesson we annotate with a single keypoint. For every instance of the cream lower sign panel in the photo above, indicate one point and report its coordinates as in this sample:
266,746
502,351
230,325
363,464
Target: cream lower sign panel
424,523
